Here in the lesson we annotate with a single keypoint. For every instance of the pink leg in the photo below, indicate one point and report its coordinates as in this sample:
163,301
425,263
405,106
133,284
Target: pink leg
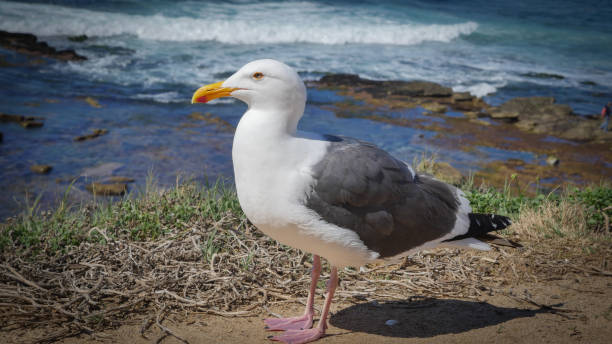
312,334
304,321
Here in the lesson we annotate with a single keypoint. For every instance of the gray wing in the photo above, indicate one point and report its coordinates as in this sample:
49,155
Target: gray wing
363,188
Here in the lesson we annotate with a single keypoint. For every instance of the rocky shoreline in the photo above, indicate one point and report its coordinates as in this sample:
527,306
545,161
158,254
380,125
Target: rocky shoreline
561,147
540,115
28,44
579,152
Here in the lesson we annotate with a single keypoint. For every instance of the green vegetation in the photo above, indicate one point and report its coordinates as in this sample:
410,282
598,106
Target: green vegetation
594,200
154,213
146,217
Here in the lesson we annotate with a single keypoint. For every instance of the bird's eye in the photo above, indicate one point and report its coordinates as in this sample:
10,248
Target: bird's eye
258,76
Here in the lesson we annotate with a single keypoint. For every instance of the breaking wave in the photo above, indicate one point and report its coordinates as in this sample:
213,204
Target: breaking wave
242,25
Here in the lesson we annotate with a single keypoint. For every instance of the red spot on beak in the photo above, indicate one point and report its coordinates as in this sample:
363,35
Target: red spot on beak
202,99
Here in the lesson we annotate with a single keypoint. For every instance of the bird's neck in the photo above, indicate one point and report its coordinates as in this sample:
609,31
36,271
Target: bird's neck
259,126
262,155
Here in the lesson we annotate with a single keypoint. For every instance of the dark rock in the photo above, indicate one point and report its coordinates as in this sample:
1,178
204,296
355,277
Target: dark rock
41,169
120,179
115,189
26,43
24,121
513,116
417,89
1,136
31,124
394,87
4,117
543,75
79,38
346,80
96,133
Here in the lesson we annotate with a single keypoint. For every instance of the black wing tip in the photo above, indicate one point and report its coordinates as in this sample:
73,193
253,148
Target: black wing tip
481,224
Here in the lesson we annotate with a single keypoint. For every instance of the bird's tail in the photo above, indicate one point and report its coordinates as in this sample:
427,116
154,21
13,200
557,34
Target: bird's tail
481,224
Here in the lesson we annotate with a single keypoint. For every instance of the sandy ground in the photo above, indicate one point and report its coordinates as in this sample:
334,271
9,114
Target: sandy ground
586,302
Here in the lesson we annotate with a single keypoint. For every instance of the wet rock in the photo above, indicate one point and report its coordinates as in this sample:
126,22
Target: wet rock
552,160
41,169
538,75
418,89
115,189
511,116
523,107
24,121
120,179
479,121
394,87
31,124
26,43
92,102
346,80
79,38
541,115
462,97
209,118
93,135
434,107
582,130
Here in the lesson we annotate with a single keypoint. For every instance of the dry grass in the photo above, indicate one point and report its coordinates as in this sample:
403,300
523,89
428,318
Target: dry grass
220,264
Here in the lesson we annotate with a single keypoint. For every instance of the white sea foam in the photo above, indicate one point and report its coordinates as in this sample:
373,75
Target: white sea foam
479,90
320,25
164,97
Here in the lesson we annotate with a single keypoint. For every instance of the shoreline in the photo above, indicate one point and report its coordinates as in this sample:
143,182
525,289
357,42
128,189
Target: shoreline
492,144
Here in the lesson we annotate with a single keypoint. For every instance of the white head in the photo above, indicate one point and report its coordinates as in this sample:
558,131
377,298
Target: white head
267,86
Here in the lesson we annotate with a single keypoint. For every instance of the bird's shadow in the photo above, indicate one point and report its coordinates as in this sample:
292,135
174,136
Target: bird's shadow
425,318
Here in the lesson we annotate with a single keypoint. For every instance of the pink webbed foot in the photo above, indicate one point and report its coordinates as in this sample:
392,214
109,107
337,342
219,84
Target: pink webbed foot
283,324
299,336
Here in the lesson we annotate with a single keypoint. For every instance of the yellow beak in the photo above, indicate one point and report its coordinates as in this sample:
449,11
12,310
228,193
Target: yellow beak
209,92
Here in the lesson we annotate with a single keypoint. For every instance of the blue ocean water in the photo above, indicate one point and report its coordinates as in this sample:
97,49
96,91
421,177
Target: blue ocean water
146,58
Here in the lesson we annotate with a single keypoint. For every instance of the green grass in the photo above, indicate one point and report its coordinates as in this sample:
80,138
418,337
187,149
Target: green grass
155,213
145,217
512,202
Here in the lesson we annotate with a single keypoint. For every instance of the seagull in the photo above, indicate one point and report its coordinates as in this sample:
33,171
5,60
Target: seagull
335,197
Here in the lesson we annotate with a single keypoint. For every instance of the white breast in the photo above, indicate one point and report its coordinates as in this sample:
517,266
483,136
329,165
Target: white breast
273,177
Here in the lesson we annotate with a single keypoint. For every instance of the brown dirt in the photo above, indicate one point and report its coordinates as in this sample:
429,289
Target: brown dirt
498,318
523,300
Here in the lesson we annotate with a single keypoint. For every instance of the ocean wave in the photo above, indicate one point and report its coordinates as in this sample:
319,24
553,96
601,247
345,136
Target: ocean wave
164,97
320,26
478,90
